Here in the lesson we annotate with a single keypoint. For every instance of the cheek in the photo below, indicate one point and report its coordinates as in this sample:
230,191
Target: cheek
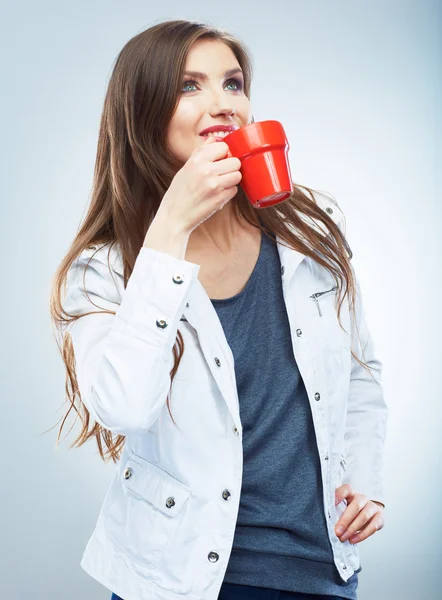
244,110
184,124
182,134
186,118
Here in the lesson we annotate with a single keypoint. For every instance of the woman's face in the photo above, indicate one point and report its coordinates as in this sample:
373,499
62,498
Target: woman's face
217,99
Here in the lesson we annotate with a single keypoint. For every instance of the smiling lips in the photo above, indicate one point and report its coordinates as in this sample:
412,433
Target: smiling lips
219,135
219,130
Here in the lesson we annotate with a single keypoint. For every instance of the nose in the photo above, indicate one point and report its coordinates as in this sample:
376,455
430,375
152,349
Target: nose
221,105
217,109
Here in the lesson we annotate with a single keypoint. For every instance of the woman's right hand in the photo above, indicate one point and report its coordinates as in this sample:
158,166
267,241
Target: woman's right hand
206,182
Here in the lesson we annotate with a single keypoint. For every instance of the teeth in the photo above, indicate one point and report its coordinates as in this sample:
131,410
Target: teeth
217,134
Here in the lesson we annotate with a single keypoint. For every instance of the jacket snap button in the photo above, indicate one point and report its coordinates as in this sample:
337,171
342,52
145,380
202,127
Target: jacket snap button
187,305
213,556
226,494
326,457
344,566
329,210
127,473
170,502
162,323
282,270
217,361
299,332
235,431
178,278
317,396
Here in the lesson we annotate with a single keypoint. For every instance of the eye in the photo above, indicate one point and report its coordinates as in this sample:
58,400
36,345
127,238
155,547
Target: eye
189,82
236,81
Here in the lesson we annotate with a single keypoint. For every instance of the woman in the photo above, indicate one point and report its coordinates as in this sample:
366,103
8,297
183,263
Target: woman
178,289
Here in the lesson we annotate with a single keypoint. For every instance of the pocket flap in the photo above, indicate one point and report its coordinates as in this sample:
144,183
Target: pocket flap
155,485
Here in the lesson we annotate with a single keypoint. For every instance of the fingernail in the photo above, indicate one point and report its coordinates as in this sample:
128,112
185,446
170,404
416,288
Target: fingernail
353,540
339,530
345,536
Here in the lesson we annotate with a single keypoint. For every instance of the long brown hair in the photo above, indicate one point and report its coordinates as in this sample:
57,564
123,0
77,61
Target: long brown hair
133,171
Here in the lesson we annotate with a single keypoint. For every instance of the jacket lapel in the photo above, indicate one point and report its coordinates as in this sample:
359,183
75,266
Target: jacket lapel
203,317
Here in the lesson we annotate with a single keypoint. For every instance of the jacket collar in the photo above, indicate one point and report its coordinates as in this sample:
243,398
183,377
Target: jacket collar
290,258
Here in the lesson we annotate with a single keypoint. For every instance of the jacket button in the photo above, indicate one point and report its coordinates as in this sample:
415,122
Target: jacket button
282,270
235,431
162,323
213,556
170,502
217,361
178,278
317,396
226,494
326,457
187,305
299,332
127,473
344,567
329,210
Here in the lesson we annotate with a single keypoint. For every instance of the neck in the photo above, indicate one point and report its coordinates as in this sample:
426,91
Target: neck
221,232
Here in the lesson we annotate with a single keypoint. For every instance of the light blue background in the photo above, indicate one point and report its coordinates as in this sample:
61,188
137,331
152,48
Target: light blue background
357,86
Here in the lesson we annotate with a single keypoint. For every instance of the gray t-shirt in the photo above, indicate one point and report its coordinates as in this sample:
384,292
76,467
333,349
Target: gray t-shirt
281,540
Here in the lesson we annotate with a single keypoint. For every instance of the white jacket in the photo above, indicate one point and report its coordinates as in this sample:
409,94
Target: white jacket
166,526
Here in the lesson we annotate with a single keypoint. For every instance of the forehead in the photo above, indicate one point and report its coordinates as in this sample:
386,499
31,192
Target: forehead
210,56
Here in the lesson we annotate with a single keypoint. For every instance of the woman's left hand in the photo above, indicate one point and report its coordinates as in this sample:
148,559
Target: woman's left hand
361,515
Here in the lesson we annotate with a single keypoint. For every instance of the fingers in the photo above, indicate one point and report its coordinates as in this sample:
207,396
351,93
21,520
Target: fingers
344,492
209,139
361,518
228,165
217,150
354,505
358,522
229,180
375,524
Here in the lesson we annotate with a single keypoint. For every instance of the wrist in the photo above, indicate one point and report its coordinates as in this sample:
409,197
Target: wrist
166,235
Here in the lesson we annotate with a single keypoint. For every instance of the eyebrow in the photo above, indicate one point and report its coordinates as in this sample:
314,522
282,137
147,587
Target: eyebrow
203,76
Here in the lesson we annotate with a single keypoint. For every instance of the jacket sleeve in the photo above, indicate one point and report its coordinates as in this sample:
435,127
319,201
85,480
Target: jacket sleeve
367,412
123,361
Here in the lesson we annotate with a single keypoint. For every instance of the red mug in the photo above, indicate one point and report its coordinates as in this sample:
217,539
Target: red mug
263,149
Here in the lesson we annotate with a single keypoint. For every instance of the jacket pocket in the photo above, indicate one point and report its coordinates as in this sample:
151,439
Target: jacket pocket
146,511
331,336
343,463
325,301
339,474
